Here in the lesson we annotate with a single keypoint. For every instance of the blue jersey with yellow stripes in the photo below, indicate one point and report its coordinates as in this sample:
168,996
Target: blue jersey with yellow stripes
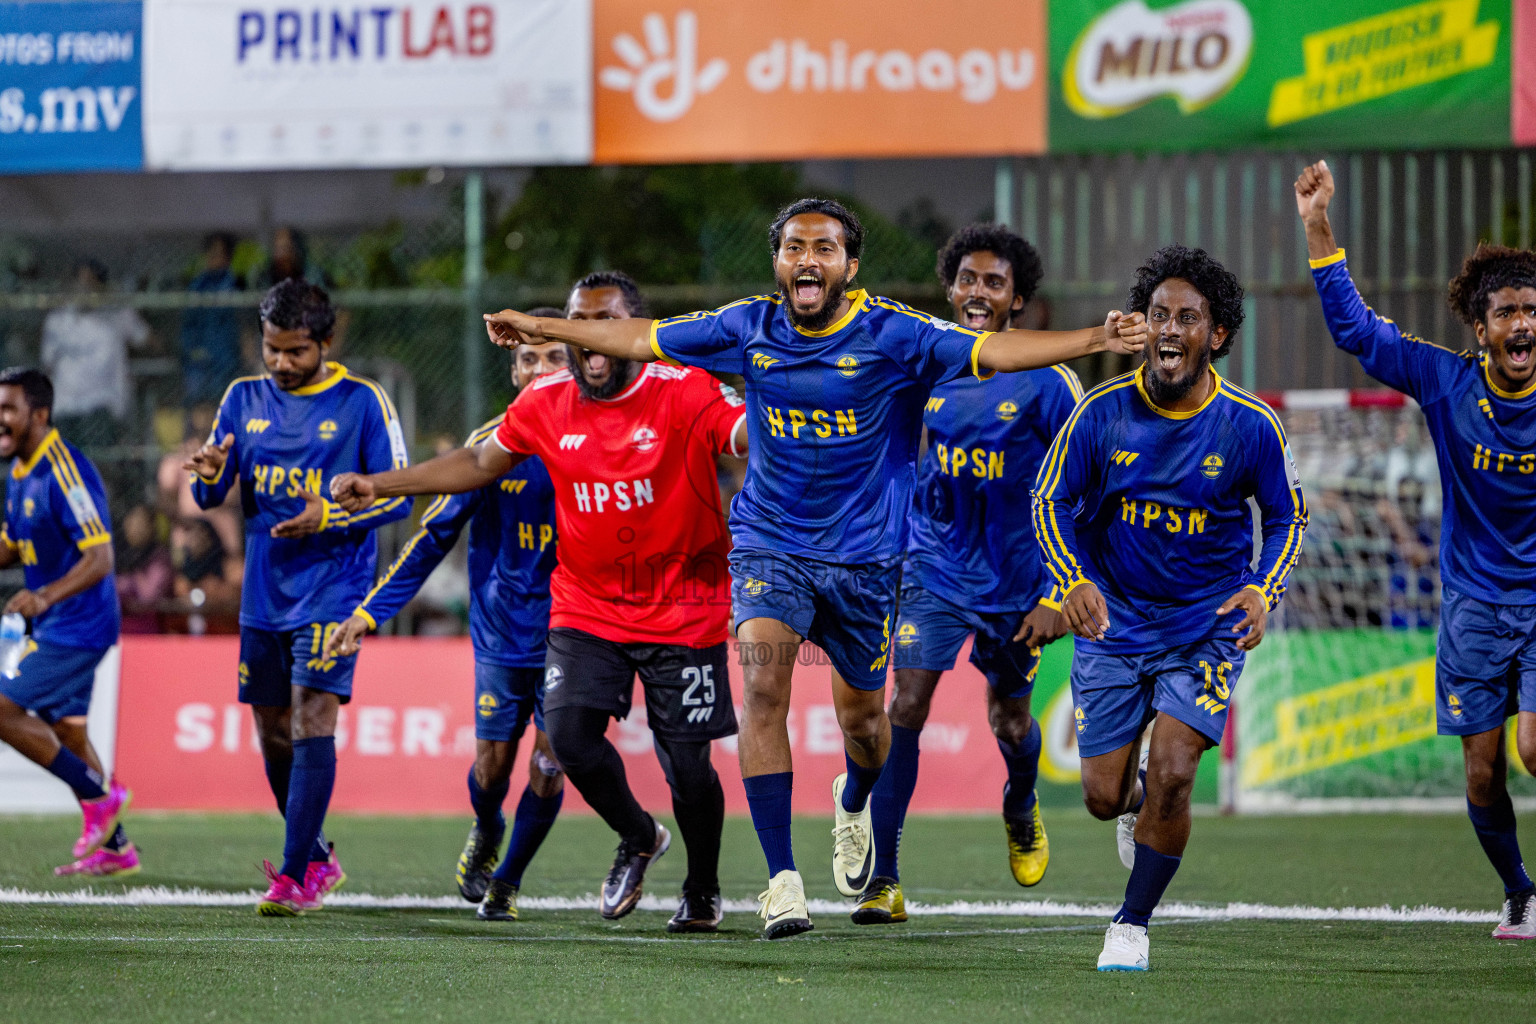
287,442
1485,442
1152,507
55,508
835,417
511,555
971,541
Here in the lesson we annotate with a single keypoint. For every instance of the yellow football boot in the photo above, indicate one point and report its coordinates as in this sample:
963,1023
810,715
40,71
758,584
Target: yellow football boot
881,903
1029,851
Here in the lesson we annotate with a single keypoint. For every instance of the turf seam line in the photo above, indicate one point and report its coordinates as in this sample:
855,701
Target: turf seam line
164,896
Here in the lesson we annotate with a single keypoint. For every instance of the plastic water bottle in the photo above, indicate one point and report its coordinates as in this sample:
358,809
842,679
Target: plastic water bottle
13,643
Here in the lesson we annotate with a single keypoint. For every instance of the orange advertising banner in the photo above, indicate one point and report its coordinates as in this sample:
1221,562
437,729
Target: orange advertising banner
707,80
407,739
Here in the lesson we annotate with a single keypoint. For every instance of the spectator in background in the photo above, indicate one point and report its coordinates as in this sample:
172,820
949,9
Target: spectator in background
85,351
203,590
144,574
175,500
290,258
210,335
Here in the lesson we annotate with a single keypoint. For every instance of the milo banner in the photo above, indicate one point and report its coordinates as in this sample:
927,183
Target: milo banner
1208,74
1347,715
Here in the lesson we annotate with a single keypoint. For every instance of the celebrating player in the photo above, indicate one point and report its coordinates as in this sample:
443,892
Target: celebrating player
53,527
511,554
1142,511
973,565
308,562
640,586
1480,408
837,380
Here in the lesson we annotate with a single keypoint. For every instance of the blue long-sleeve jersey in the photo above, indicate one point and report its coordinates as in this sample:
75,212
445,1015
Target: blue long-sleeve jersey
287,442
969,541
511,555
1152,507
1485,441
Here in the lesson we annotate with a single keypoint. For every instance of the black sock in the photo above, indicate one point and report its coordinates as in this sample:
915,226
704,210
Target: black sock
698,803
118,841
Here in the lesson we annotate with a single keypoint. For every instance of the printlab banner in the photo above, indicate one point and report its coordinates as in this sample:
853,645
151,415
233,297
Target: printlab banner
407,738
1355,74
70,97
246,84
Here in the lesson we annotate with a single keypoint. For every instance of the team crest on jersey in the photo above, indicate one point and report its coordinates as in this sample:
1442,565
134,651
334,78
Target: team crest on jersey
1454,703
28,506
906,636
847,366
1006,411
553,677
1211,466
753,588
1080,718
644,439
487,704
245,673
327,430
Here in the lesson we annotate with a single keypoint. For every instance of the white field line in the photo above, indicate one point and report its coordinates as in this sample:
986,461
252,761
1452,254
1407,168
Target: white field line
162,896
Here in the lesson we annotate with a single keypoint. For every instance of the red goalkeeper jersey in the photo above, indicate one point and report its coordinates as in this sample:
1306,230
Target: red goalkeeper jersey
643,541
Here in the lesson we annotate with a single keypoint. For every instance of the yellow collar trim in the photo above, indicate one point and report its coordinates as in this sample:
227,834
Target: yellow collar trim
338,372
20,470
1141,388
1488,378
857,300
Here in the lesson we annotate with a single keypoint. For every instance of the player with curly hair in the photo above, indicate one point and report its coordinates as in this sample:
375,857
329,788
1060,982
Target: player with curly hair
1480,407
973,567
1142,511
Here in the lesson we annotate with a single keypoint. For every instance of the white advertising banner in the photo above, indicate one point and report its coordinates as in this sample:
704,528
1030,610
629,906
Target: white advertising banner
247,84
26,787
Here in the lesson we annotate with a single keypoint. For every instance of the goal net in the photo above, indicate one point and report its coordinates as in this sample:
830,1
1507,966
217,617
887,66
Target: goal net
1337,706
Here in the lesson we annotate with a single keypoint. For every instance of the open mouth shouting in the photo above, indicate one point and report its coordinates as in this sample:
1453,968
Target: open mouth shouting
808,289
1517,351
1168,356
975,314
596,364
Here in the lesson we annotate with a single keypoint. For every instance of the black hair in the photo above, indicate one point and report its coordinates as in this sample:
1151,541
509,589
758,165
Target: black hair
553,311
853,231
96,267
993,238
224,238
293,304
34,384
1215,282
1488,269
633,300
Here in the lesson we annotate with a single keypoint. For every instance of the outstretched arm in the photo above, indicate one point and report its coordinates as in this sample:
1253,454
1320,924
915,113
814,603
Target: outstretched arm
622,339
1010,351
463,469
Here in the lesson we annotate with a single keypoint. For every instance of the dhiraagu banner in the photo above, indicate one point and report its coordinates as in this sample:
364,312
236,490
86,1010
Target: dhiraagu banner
1206,74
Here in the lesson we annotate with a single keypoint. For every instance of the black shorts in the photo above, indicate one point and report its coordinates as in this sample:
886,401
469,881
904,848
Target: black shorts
687,689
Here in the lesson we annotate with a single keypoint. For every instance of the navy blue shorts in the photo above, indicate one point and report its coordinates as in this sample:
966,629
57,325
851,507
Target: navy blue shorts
54,681
1485,663
273,662
505,699
930,632
846,610
1116,695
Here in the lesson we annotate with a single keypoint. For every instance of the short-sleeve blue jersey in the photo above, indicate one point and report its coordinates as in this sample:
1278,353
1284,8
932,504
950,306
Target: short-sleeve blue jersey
835,417
1485,441
511,555
288,442
55,508
972,541
1152,507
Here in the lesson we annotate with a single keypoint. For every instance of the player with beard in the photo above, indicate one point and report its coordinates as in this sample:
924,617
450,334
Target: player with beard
640,587
836,383
1142,511
973,565
1480,407
511,525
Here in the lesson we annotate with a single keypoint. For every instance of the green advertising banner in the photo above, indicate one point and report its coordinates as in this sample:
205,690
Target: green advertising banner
1207,74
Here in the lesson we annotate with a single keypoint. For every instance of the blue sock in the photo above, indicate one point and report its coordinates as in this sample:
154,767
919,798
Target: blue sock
487,804
1023,761
534,818
1149,880
892,795
77,775
1495,827
309,795
768,797
279,776
861,782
